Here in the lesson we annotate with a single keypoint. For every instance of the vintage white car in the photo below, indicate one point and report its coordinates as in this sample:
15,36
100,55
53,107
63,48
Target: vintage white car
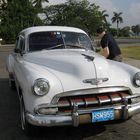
61,80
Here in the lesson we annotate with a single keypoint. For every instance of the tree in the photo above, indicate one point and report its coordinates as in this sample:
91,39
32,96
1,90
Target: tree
80,14
118,19
136,29
38,7
125,31
113,31
104,16
38,3
2,7
17,15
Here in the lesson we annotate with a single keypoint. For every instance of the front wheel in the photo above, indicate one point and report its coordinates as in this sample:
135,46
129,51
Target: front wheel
11,82
26,127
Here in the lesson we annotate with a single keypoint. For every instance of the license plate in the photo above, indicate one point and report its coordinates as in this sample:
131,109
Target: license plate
103,115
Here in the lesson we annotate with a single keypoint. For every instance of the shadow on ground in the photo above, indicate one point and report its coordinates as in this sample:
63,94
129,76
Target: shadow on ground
10,128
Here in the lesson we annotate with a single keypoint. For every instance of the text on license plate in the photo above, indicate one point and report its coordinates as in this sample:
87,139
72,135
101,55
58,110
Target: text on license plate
103,115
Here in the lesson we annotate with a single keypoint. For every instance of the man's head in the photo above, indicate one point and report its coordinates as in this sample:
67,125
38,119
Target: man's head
101,31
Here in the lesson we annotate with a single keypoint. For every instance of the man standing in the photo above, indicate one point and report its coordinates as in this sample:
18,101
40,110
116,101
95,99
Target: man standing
109,45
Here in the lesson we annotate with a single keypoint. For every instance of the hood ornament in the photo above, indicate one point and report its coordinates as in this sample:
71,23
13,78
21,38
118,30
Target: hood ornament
89,57
95,81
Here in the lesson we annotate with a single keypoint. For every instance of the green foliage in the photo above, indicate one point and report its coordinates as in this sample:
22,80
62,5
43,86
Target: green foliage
38,3
136,29
80,14
125,32
17,15
104,16
113,31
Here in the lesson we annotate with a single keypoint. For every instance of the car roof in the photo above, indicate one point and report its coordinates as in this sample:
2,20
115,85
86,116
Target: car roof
34,29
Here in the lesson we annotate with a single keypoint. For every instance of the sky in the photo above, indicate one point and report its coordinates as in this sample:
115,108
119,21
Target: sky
129,8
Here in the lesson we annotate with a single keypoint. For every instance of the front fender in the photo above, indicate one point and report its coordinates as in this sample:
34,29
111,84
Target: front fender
119,74
10,63
27,75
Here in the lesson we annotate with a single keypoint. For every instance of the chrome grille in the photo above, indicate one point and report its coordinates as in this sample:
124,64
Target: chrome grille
65,104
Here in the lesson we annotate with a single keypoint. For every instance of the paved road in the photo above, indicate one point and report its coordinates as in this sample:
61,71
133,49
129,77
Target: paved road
135,63
10,120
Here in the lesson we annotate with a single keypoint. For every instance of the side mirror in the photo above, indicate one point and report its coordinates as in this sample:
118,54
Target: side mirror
18,51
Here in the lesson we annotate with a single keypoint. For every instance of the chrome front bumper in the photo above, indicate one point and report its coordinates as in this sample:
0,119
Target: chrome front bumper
80,116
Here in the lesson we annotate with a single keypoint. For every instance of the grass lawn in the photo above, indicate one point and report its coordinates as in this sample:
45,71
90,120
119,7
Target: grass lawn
131,52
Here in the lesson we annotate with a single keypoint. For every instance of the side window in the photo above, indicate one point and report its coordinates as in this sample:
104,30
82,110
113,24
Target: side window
20,45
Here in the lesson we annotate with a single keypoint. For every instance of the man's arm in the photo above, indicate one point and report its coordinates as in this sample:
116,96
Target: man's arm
106,52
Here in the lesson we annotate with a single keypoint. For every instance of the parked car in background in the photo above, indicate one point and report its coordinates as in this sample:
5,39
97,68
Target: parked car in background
61,80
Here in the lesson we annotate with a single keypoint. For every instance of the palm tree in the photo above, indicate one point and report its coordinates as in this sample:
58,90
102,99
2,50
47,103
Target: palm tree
104,16
117,18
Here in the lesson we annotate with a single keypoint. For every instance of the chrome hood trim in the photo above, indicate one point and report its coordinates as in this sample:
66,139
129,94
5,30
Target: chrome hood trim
96,81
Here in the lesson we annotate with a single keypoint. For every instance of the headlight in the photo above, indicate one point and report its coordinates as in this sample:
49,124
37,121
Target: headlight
41,87
137,79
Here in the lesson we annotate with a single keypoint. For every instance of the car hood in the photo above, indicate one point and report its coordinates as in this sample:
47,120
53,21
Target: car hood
76,69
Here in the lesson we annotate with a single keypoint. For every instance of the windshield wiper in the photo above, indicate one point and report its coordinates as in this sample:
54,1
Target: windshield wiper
56,46
75,46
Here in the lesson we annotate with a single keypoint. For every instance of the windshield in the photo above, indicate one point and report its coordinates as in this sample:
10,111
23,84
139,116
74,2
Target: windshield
58,40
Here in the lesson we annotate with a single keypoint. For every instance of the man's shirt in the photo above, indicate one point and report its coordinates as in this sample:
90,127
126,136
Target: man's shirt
108,41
